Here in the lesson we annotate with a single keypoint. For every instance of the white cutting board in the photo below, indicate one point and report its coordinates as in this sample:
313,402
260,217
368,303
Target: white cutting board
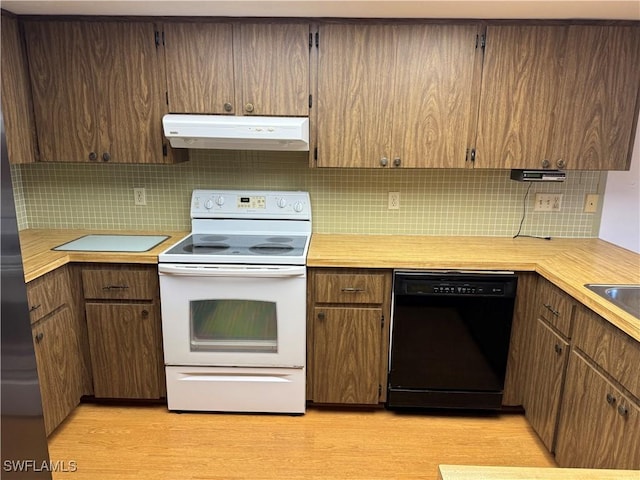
112,243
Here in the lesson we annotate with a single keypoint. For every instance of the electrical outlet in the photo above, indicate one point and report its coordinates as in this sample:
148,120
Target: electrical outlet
394,200
591,203
139,196
548,202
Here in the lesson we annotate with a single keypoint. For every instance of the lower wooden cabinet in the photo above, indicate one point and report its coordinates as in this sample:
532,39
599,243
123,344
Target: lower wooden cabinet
124,331
346,355
122,342
600,425
550,317
348,336
58,338
58,362
546,380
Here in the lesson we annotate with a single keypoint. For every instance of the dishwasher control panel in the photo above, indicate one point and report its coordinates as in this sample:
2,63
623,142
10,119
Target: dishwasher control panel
455,289
455,284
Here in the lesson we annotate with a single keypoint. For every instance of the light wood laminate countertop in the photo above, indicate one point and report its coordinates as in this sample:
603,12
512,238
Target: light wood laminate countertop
569,263
464,472
38,258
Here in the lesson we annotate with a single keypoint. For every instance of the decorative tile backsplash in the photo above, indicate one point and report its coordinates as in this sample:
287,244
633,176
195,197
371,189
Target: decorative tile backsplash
432,202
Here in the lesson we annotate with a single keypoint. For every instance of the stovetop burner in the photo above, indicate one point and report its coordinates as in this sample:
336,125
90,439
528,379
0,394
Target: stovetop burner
279,239
204,248
271,248
212,238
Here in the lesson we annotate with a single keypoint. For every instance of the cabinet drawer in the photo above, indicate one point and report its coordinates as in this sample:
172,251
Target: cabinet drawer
47,293
349,288
120,284
617,353
555,306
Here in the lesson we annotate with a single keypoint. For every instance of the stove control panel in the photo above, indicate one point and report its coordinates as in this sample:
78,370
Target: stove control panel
258,202
250,204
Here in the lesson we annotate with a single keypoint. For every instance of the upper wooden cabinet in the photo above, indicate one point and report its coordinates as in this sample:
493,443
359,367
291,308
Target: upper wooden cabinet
242,69
97,91
17,109
558,97
396,95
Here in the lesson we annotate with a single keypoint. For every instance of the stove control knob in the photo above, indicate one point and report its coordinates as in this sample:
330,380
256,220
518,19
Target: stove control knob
298,207
282,202
208,204
220,200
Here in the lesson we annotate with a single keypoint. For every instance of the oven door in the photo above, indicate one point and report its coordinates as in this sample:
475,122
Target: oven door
233,315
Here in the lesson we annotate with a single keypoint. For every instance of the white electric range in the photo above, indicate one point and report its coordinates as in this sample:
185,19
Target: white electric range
233,296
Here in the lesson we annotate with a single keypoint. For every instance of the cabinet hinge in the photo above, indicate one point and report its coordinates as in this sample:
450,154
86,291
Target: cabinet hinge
379,391
157,38
382,321
310,100
471,155
317,39
310,40
480,41
163,38
165,150
315,153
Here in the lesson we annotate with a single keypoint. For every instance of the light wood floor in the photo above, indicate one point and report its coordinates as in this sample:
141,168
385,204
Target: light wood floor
148,442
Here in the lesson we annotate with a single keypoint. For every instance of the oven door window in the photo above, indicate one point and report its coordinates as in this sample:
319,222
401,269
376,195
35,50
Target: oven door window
233,326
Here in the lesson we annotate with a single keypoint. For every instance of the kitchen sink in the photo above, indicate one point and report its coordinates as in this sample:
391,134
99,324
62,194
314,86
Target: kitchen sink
627,297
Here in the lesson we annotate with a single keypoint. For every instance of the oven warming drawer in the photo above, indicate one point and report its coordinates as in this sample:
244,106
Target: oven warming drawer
234,389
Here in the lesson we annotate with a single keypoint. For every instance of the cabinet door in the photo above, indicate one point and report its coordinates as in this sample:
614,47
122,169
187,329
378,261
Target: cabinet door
346,355
123,340
63,87
57,358
272,69
355,81
434,96
599,426
96,91
549,354
522,77
199,58
17,110
604,77
126,69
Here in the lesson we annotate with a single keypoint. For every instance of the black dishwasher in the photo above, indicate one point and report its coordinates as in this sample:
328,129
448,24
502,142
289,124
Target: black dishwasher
450,336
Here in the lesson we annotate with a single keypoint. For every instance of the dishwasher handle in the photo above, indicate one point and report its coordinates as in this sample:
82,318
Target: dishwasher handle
198,270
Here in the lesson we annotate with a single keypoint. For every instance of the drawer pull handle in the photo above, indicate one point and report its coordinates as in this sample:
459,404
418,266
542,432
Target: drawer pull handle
321,316
558,349
39,337
352,290
35,307
550,308
623,411
145,313
611,399
115,287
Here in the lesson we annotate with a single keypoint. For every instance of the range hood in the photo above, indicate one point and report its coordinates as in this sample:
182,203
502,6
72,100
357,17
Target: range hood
237,133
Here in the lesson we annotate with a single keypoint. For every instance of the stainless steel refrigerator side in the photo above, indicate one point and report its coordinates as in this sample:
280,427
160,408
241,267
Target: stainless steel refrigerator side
24,442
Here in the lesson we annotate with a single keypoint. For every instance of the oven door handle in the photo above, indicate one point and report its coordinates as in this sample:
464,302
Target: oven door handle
232,270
